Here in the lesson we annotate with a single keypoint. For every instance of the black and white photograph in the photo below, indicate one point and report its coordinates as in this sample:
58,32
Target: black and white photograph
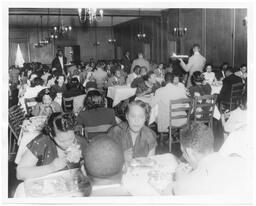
121,102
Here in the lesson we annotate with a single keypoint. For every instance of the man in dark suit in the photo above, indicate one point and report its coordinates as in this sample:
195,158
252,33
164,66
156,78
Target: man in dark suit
127,62
228,81
59,63
220,73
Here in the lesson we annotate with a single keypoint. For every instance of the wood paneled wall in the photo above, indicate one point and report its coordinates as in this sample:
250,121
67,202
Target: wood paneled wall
126,35
220,32
84,37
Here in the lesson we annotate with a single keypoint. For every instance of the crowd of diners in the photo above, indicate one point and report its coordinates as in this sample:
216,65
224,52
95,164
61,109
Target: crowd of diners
174,80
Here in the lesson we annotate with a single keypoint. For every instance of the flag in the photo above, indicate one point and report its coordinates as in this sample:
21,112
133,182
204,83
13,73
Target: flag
19,58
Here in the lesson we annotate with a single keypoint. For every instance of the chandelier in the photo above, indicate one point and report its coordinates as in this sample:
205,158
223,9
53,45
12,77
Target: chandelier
179,31
112,40
60,30
141,35
40,40
90,14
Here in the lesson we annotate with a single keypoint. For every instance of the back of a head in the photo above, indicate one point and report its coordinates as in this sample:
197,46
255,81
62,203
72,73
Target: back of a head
229,71
140,55
148,75
196,47
169,77
198,137
197,78
103,157
93,100
100,64
74,83
36,82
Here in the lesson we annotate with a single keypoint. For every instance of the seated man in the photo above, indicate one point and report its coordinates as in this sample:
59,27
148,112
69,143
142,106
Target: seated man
104,161
228,81
212,173
242,73
163,96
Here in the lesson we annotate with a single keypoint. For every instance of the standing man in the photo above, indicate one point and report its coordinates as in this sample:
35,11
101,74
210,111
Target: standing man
127,62
141,62
195,63
59,62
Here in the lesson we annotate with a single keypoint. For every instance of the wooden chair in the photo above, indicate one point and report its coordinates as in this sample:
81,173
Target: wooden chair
204,108
92,131
67,104
16,118
180,110
237,91
30,103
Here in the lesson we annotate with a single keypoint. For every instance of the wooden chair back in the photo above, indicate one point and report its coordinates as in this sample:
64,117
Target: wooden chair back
67,104
204,108
92,131
180,110
237,91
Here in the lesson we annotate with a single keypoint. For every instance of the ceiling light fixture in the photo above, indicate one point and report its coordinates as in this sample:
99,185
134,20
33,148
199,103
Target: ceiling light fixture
90,14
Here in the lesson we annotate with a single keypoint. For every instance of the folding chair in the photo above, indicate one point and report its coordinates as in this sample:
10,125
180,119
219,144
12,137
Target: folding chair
30,103
16,118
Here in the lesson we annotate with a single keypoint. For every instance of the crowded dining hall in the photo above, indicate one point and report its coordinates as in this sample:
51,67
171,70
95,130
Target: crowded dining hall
128,102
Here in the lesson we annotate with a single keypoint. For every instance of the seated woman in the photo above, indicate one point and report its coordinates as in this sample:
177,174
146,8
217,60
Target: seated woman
209,76
74,88
46,104
139,79
55,149
136,139
59,86
149,85
95,113
134,75
117,79
199,86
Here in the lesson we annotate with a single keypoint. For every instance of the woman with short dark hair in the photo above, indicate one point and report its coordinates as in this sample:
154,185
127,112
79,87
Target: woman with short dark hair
46,104
149,85
74,88
57,148
95,113
59,86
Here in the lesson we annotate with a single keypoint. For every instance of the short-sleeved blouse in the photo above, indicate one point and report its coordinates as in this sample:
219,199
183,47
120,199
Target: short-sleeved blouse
145,141
45,150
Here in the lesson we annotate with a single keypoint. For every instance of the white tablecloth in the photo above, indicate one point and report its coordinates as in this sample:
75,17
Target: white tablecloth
137,181
120,93
24,138
216,89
